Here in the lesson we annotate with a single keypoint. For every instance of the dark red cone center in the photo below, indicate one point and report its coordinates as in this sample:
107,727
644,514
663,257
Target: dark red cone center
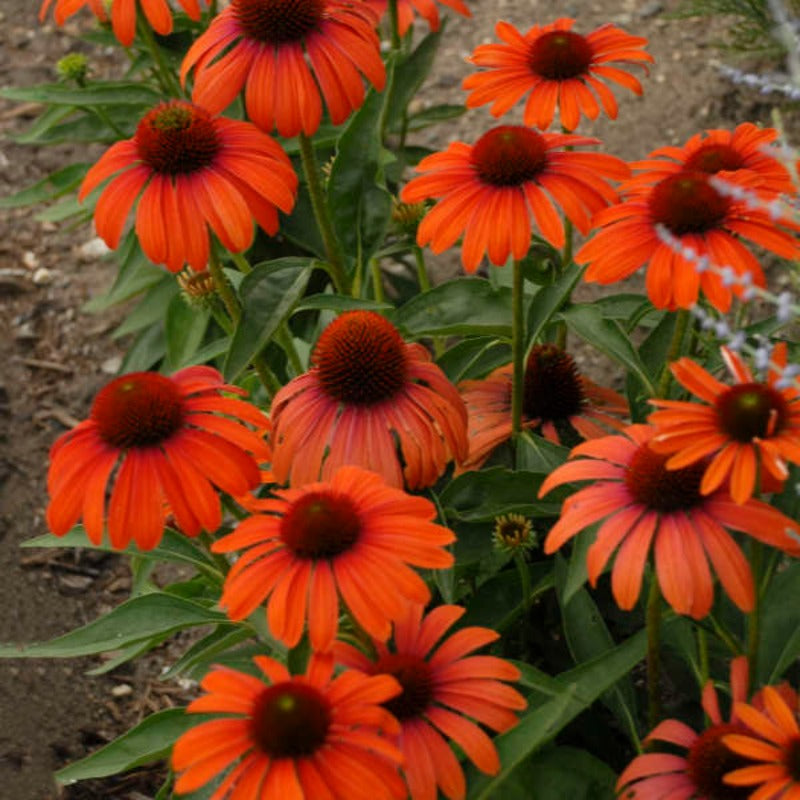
751,410
278,21
177,137
713,158
361,359
291,720
509,155
320,525
414,675
559,55
662,489
709,761
141,409
553,388
687,203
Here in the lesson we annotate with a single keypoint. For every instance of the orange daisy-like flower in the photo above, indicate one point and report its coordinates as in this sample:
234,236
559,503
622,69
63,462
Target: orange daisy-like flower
713,151
773,740
555,395
352,537
443,690
689,209
700,773
750,428
425,8
558,67
369,399
123,14
262,46
193,171
642,503
489,191
303,737
150,439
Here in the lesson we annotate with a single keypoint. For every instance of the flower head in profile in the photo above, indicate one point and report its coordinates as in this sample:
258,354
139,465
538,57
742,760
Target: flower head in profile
641,504
556,68
446,694
155,445
490,191
556,398
369,399
123,14
425,8
707,225
699,771
352,538
748,430
191,172
770,748
718,150
287,55
304,737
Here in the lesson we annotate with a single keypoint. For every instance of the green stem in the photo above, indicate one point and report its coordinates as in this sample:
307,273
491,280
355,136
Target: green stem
103,117
702,649
653,621
242,264
681,325
566,255
525,585
286,341
422,269
166,77
517,348
223,286
754,617
333,248
395,24
377,280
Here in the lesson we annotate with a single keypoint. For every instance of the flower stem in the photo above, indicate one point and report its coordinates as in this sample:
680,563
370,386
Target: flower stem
166,77
395,24
566,255
653,622
754,617
377,280
242,264
333,248
681,325
517,348
422,269
284,337
525,585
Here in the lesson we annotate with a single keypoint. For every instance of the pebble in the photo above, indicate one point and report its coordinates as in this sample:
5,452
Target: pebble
43,276
93,249
650,9
111,365
122,690
30,259
74,584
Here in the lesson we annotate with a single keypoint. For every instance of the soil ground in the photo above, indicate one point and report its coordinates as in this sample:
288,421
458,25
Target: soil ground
55,357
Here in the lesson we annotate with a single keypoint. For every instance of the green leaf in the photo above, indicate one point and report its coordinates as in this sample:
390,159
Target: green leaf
53,186
151,309
86,127
360,206
185,326
433,115
140,618
549,300
538,454
562,773
147,350
173,547
474,357
129,653
269,293
201,653
571,693
110,93
607,336
623,307
460,307
69,207
151,740
339,303
409,75
780,626
485,494
588,637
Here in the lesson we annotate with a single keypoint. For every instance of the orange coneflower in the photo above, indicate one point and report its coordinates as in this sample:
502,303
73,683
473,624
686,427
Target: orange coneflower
750,427
488,191
773,741
150,439
262,45
560,68
644,503
369,399
304,737
193,171
425,8
686,207
555,395
352,537
444,690
699,773
713,151
123,14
